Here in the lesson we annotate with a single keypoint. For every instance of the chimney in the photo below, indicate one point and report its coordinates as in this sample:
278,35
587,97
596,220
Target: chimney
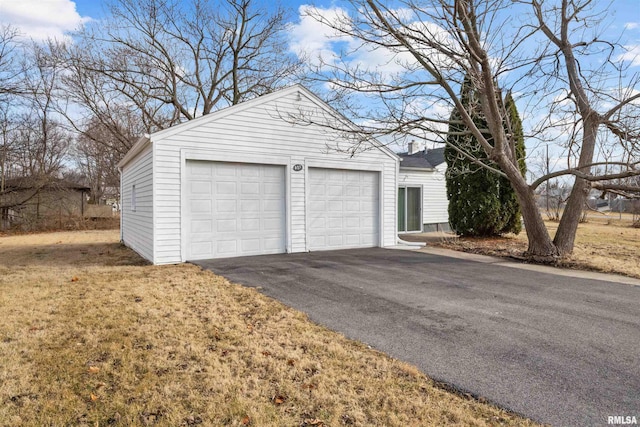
414,147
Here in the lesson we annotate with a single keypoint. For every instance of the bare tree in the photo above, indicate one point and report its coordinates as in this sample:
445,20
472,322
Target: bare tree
430,46
97,161
10,85
34,141
174,61
10,70
42,138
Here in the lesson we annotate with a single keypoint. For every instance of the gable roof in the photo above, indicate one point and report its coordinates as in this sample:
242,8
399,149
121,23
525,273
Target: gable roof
234,109
424,159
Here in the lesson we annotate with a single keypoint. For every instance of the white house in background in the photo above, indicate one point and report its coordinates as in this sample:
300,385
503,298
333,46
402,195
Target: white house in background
422,191
247,181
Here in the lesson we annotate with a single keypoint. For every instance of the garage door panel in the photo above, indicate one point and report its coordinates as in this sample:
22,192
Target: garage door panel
272,189
249,188
250,205
335,205
225,169
368,240
248,171
343,209
317,223
317,189
202,226
336,241
335,190
202,237
244,215
352,178
366,206
200,206
352,206
225,205
334,175
316,241
250,245
250,224
201,248
200,187
367,222
353,239
272,244
317,206
226,187
352,191
352,222
226,247
199,170
271,224
274,173
272,206
335,223
226,224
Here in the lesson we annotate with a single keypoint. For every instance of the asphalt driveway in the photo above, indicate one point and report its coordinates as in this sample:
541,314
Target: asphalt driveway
560,350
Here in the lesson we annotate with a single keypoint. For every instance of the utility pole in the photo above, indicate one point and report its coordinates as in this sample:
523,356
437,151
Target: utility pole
547,161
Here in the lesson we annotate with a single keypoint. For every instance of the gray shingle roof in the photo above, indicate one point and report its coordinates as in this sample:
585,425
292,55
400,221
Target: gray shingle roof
427,159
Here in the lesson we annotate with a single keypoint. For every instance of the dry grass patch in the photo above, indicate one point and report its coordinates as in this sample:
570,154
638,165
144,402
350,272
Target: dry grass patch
92,336
603,243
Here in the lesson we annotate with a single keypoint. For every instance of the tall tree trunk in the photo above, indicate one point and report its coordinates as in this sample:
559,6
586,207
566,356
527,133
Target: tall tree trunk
541,247
540,244
566,234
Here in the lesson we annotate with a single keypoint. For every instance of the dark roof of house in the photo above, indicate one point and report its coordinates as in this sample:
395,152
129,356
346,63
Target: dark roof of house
28,183
425,159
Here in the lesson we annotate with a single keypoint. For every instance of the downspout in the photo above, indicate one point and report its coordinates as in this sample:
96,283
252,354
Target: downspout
121,210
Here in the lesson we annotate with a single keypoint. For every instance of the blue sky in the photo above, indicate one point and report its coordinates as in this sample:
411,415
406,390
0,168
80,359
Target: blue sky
61,14
39,19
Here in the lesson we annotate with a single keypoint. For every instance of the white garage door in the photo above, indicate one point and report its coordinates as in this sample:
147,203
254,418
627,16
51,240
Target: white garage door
343,209
234,209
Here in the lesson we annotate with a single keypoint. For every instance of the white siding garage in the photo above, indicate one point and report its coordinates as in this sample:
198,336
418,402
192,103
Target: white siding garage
234,209
250,179
343,209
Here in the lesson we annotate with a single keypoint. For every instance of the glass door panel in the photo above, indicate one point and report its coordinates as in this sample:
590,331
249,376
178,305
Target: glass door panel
402,209
414,217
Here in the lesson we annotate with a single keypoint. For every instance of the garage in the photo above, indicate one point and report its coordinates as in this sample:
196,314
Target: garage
267,176
234,209
343,209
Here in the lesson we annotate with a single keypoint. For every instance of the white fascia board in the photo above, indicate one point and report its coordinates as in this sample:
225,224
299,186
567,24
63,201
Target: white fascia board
137,148
403,168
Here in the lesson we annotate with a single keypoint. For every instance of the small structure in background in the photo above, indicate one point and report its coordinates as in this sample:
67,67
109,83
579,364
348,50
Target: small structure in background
422,190
31,204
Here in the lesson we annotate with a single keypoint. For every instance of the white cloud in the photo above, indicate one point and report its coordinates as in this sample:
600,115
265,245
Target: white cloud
314,40
632,55
40,19
631,25
319,44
